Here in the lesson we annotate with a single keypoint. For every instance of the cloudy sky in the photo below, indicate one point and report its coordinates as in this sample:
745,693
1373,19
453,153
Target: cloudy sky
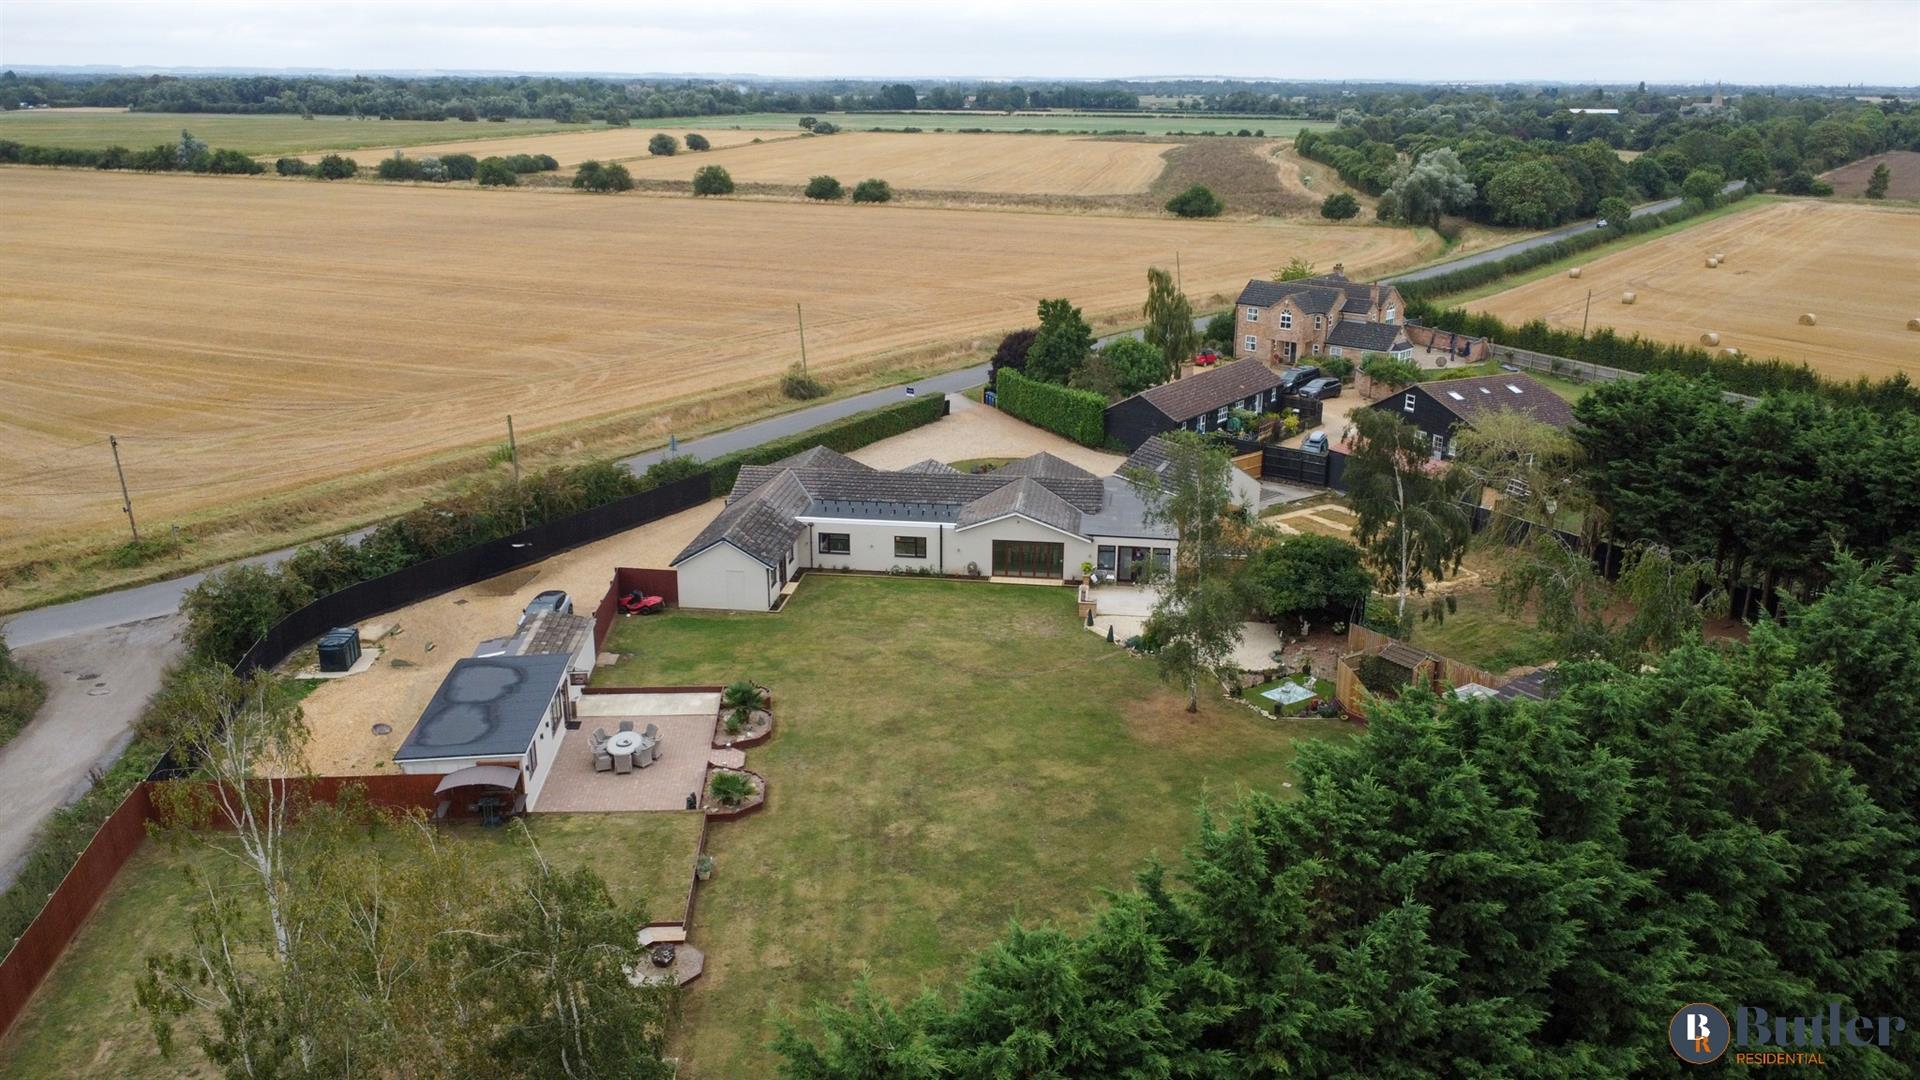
1751,41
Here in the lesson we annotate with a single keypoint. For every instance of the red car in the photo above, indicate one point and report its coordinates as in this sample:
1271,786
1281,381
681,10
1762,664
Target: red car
1206,359
638,603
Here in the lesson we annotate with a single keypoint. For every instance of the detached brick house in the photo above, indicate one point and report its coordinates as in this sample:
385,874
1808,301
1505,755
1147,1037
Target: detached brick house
1292,322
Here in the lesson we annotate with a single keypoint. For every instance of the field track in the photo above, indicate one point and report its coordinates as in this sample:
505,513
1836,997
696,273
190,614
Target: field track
1001,164
246,338
1853,267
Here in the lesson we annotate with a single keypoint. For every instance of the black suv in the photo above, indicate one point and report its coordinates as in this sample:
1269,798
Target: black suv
1291,381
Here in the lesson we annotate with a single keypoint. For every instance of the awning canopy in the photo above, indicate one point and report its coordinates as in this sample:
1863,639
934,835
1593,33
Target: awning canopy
500,776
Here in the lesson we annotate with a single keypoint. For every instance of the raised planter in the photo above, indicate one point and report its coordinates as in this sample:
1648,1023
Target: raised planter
758,730
747,805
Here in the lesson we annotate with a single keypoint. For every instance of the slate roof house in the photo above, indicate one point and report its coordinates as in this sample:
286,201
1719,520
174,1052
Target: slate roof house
1290,322
1438,408
1039,517
1200,402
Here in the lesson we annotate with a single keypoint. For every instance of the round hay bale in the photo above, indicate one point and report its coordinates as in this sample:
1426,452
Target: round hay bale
1913,324
1808,319
1713,263
1731,354
1719,256
1709,338
1628,297
1574,273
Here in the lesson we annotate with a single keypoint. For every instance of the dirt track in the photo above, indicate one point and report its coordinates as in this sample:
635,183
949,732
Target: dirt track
1853,267
248,338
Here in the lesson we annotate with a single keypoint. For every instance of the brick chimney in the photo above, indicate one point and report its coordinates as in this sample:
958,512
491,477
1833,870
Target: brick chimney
1339,270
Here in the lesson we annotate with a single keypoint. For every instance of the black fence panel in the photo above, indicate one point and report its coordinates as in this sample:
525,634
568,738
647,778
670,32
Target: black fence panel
1337,470
1309,410
477,563
1292,466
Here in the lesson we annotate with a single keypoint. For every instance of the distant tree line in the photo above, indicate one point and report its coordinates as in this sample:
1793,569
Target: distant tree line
1524,163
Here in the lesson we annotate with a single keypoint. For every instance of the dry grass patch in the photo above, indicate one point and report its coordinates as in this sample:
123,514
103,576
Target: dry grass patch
1903,179
1852,265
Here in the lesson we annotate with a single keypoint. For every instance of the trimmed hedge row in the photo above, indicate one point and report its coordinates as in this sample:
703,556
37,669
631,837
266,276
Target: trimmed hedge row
844,435
1470,277
162,158
1080,415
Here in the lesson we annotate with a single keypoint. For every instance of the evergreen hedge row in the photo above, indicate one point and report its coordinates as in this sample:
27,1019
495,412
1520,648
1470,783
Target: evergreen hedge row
161,158
1080,415
844,435
1470,277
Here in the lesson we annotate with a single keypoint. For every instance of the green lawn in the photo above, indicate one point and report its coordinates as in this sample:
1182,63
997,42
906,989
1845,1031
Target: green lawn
83,1020
948,756
1478,633
1065,122
249,134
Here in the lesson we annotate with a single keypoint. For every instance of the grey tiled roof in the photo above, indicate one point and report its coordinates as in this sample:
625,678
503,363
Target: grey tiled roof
928,465
1026,497
1044,466
819,457
761,523
1310,296
1184,399
486,707
1124,515
1370,337
1470,398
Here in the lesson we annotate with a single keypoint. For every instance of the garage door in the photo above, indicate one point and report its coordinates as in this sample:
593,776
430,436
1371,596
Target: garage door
1027,558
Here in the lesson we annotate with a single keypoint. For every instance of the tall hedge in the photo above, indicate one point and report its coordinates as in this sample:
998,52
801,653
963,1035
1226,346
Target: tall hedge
843,435
1080,415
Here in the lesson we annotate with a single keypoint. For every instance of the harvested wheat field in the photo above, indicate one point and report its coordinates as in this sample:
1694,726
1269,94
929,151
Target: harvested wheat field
1314,181
247,340
992,164
1903,175
570,148
1853,267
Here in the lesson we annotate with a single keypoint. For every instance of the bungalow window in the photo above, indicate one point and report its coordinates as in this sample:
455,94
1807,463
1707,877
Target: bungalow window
1286,320
533,757
1253,314
1104,561
1252,344
1220,416
909,547
1409,402
836,544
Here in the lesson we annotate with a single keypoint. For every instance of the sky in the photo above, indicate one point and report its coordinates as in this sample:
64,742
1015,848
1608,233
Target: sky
1615,41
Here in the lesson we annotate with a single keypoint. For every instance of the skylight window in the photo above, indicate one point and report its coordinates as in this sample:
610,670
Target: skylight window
1513,388
1455,395
1486,391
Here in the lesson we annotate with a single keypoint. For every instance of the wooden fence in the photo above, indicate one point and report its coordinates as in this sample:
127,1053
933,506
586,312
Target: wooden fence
626,579
1362,641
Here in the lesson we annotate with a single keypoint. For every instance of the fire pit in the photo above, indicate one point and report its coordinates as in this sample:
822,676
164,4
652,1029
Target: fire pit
661,955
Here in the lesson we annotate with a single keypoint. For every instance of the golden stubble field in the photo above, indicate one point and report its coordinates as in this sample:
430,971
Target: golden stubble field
936,161
1855,268
570,148
248,339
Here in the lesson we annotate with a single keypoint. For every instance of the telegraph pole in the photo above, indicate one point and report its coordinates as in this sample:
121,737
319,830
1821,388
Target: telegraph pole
800,318
126,501
513,448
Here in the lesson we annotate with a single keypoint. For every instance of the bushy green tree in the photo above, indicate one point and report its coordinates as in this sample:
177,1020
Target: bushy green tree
460,166
1421,193
825,189
1297,269
495,172
1878,182
663,145
1616,212
1197,619
1308,576
1703,186
1339,206
1531,194
336,167
291,166
697,141
872,190
1412,522
233,606
598,176
1169,330
1125,367
1198,201
712,180
1061,344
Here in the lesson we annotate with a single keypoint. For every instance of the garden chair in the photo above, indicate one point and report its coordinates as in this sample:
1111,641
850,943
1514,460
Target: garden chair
653,733
600,737
623,763
642,759
626,725
602,761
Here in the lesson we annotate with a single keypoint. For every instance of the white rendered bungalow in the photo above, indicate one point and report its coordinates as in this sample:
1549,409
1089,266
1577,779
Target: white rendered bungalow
496,722
1039,517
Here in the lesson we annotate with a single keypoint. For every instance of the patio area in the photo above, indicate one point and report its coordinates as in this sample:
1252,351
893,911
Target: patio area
1125,608
685,743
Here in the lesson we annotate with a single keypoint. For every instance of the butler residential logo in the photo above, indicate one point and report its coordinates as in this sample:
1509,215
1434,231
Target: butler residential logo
1699,1033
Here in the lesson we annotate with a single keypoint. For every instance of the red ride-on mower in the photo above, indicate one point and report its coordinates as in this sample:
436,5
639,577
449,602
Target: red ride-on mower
638,603
1206,358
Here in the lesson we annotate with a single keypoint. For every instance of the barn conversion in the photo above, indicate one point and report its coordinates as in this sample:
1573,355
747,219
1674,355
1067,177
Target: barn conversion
1038,518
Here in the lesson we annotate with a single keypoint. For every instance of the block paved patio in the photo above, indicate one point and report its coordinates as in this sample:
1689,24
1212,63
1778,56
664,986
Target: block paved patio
685,743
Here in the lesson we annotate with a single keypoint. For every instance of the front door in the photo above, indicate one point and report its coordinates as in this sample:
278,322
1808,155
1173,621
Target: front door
1288,350
1027,558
